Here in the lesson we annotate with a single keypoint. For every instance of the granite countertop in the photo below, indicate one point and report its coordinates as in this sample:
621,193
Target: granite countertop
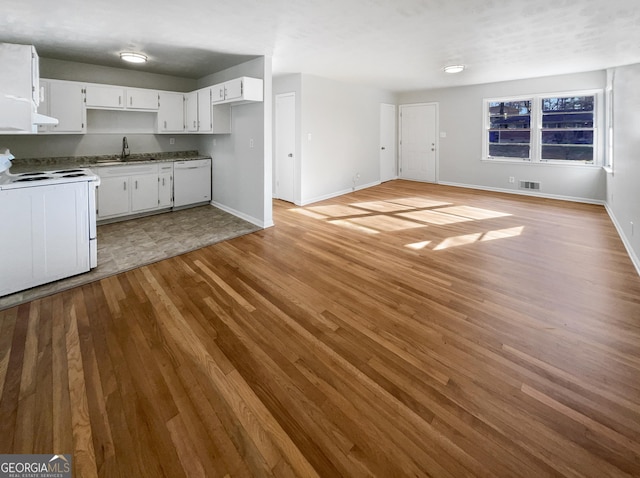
50,164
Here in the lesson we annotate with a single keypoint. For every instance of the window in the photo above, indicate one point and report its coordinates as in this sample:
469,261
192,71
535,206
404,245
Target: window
542,129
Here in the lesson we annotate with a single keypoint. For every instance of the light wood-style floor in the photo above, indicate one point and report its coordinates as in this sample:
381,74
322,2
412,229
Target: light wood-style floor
404,330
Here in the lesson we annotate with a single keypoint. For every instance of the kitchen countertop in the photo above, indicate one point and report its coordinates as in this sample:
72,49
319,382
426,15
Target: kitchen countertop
50,164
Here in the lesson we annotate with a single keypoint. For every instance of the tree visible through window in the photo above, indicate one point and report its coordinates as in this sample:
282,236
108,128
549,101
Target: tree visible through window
567,128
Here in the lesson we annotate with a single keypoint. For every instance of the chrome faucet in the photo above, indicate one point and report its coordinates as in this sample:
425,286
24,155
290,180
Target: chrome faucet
125,149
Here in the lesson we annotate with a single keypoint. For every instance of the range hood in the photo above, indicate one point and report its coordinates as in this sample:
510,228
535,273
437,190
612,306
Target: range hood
19,115
39,119
20,90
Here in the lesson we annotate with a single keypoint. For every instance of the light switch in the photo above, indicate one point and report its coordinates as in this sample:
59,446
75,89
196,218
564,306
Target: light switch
443,134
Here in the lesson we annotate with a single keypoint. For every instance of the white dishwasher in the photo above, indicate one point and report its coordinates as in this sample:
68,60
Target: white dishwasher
191,182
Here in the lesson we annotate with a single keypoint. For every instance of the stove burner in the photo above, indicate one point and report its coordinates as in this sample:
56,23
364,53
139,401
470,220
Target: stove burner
31,174
34,178
73,175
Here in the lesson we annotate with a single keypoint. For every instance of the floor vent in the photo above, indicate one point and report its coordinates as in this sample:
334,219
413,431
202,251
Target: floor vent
530,185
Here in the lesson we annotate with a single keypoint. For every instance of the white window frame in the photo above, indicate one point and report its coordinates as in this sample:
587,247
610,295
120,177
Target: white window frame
535,145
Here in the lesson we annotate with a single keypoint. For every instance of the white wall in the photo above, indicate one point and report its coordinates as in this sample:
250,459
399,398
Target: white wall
343,120
241,173
623,198
461,118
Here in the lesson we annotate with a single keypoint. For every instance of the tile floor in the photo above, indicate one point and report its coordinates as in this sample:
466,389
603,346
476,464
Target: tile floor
133,243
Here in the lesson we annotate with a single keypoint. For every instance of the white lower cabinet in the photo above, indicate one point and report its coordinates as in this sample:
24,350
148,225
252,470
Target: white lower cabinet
165,185
132,189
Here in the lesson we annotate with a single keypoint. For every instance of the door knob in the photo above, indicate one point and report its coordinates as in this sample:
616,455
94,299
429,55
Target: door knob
290,155
383,148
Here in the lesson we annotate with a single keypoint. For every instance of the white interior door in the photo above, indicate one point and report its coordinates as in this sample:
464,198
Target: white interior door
418,141
388,168
285,132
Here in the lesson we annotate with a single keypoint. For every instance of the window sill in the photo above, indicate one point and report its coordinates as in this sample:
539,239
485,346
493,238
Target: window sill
608,169
541,163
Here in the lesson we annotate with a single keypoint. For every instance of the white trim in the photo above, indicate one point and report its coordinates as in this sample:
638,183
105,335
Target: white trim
338,193
627,245
526,193
241,215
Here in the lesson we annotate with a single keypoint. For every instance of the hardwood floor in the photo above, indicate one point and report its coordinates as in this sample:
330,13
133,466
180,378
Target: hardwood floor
404,330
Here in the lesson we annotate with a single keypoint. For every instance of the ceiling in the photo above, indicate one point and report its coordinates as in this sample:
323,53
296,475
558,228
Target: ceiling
397,45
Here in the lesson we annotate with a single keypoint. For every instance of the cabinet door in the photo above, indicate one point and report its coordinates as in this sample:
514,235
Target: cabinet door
171,112
191,111
217,93
233,89
144,192
113,197
107,97
204,111
65,104
142,99
165,189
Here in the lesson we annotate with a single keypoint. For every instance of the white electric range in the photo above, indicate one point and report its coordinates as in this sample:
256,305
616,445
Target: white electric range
48,227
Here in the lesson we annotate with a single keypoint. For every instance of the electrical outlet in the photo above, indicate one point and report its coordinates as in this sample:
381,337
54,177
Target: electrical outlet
172,141
214,141
512,179
251,143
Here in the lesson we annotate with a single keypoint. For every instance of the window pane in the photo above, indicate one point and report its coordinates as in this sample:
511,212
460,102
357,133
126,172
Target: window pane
510,122
509,151
567,120
573,103
567,137
568,153
509,108
510,136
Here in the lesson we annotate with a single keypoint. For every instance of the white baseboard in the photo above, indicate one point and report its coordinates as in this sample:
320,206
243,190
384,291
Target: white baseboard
338,193
525,193
242,215
625,241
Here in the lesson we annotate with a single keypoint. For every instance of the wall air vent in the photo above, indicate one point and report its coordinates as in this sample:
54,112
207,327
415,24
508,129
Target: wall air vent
534,185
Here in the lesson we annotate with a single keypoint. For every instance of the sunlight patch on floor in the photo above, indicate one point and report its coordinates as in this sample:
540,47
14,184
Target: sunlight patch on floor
417,246
337,210
418,202
348,224
434,217
382,206
473,212
467,239
384,223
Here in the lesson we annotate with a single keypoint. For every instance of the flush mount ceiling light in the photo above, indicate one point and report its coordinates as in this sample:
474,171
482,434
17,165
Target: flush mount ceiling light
453,68
132,57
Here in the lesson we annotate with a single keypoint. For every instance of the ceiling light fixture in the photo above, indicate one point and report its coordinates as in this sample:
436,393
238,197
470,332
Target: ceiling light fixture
453,68
132,57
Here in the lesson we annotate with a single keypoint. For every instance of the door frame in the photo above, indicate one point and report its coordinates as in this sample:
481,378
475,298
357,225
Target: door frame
437,140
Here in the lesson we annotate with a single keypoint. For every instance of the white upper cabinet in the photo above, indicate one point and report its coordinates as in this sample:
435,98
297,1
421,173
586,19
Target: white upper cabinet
141,99
64,101
171,112
191,111
105,97
239,90
204,111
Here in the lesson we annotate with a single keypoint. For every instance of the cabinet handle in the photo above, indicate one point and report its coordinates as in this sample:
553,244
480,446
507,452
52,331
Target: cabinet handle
131,101
165,124
119,100
136,184
125,185
163,181
194,123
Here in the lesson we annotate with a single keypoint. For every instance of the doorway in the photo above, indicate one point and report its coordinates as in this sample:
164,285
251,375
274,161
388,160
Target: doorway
285,139
418,142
